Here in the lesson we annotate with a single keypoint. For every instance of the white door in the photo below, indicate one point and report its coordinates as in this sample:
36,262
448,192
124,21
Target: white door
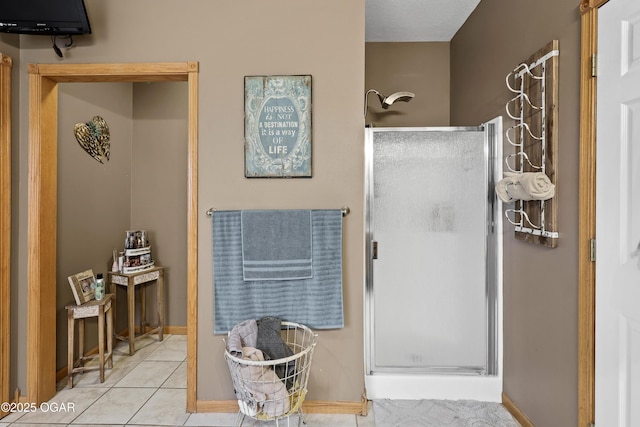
617,382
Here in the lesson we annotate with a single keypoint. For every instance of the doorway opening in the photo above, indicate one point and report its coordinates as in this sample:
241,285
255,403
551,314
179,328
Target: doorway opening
42,220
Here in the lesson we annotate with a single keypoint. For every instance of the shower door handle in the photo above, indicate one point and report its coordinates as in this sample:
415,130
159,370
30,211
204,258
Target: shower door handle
374,250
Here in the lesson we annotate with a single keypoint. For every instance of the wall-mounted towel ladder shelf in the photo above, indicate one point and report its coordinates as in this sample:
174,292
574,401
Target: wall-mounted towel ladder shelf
345,211
534,135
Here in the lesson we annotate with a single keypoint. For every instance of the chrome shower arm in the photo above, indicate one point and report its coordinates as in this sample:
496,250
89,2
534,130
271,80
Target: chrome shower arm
366,99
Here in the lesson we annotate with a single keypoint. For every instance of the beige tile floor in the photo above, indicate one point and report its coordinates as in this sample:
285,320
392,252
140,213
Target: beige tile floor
146,389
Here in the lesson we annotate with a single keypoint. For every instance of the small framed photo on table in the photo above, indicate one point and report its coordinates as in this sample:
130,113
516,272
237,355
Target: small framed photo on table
277,127
83,286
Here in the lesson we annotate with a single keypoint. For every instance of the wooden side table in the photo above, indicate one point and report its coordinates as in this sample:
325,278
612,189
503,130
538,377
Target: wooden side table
133,281
94,308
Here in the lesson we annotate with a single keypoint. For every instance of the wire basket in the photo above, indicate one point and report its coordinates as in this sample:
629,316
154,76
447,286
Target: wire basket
274,389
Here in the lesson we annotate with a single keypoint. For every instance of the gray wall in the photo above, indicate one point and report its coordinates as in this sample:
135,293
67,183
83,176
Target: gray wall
94,199
142,186
421,68
229,40
540,312
540,284
159,188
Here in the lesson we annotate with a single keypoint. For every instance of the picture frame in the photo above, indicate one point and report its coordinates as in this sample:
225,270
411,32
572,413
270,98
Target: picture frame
277,126
83,286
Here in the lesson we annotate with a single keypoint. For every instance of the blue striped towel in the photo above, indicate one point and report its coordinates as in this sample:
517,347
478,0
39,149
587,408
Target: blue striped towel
316,302
276,244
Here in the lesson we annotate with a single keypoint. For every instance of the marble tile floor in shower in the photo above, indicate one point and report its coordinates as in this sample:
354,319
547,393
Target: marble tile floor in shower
149,389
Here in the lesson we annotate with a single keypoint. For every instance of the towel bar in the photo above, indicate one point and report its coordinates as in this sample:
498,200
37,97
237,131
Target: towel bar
345,211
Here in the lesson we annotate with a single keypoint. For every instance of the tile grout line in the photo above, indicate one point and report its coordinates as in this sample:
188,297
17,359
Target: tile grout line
142,406
115,386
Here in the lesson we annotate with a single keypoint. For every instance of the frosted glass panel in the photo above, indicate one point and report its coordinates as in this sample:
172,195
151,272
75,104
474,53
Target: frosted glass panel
429,218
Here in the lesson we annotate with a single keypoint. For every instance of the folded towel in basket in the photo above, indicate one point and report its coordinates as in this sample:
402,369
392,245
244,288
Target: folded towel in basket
244,334
525,186
264,334
262,390
273,347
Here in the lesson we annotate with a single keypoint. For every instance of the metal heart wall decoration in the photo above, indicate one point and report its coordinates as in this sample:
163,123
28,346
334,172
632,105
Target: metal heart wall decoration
94,137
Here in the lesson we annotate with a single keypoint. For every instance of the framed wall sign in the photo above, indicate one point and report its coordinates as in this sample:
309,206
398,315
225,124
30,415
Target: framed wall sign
277,126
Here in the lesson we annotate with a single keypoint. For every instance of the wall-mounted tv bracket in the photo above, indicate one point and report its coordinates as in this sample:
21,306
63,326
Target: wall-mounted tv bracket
67,44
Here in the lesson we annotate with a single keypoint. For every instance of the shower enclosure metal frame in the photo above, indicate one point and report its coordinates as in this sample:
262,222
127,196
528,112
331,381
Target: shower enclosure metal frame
466,382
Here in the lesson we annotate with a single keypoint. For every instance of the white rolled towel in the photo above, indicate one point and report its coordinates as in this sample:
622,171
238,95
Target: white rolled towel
525,186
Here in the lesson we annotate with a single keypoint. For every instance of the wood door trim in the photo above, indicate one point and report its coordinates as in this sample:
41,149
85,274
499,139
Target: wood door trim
587,215
587,5
5,227
41,270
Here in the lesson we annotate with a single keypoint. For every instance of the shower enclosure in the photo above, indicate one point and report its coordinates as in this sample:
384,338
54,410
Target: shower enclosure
433,282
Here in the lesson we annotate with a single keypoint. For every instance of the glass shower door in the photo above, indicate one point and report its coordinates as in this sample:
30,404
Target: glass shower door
429,298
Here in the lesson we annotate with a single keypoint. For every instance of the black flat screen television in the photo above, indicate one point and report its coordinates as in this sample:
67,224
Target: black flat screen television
45,17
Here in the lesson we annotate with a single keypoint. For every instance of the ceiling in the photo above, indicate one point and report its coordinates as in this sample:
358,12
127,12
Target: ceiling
415,20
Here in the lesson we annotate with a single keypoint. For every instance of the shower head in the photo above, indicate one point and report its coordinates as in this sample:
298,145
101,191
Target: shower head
394,97
386,101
